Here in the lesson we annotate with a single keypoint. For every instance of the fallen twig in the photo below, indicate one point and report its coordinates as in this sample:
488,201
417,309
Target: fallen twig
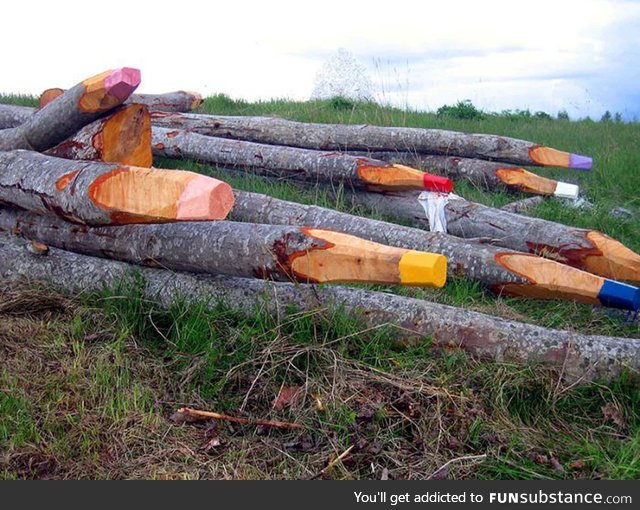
195,413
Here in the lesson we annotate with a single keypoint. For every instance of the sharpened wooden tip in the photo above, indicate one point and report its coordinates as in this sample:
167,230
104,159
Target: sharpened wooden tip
148,195
612,259
401,177
546,156
548,279
346,258
109,89
529,182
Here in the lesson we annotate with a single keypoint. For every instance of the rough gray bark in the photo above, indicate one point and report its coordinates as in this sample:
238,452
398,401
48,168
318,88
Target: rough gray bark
12,116
292,163
215,247
524,206
354,137
588,250
579,357
76,108
178,101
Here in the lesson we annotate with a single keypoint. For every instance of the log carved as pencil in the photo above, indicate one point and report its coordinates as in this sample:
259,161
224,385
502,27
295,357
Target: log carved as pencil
578,357
97,193
76,108
343,137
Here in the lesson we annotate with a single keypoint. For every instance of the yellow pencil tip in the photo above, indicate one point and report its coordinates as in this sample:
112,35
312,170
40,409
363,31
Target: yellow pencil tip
424,269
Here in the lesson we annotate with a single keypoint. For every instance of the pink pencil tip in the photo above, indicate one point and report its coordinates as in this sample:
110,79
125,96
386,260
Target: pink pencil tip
122,82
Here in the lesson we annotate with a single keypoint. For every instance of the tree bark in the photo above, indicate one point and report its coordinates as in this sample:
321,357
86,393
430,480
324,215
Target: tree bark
524,206
584,249
179,101
121,137
579,357
503,271
95,193
76,108
303,164
372,138
275,252
12,116
487,175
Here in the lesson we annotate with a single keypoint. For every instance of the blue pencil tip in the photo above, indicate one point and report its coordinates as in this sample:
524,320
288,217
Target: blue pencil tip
619,295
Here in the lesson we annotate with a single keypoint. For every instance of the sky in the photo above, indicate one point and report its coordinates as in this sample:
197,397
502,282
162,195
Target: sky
579,56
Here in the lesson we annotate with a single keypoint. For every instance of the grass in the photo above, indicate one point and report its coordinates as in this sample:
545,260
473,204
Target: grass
89,387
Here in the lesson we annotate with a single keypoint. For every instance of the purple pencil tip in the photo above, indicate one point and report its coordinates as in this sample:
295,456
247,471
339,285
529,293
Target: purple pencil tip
580,162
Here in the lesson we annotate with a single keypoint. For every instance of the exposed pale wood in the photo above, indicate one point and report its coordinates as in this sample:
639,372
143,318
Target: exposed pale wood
179,101
96,193
372,138
487,175
76,108
294,163
121,137
240,249
579,357
584,249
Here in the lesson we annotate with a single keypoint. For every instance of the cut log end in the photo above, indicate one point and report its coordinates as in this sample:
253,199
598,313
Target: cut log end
612,259
126,137
109,89
49,95
197,99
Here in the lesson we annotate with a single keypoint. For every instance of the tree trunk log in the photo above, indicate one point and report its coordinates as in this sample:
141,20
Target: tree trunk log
371,138
584,249
304,164
121,137
579,357
483,174
524,206
76,108
179,101
95,193
503,271
12,116
275,252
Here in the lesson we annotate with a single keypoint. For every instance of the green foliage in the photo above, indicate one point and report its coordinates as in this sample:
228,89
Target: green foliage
342,103
464,110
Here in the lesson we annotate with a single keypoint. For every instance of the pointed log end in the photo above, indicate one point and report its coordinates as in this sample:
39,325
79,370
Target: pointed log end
197,99
121,83
619,295
580,162
205,198
423,269
613,259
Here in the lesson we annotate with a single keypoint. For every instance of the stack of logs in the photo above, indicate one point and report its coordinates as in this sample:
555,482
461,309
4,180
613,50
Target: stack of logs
76,175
